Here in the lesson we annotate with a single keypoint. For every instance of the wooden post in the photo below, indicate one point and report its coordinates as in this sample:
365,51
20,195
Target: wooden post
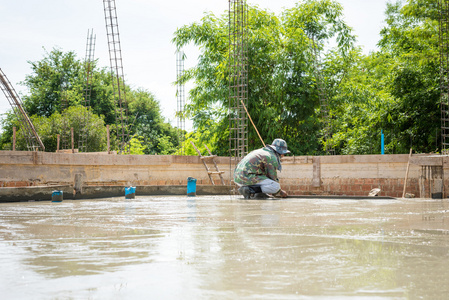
14,138
73,140
406,173
108,137
58,138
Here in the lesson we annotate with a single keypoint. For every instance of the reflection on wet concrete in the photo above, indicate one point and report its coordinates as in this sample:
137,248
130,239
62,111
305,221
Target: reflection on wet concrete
225,248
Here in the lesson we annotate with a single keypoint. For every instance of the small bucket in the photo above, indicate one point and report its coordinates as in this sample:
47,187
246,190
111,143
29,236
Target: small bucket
130,192
191,187
56,196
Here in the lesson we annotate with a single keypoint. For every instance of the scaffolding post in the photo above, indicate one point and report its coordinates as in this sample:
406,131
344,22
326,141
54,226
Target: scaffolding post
238,82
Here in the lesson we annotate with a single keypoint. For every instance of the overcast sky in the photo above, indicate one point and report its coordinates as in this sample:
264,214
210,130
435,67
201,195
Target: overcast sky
146,29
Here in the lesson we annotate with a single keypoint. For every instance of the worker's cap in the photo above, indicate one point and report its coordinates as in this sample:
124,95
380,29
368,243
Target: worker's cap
280,146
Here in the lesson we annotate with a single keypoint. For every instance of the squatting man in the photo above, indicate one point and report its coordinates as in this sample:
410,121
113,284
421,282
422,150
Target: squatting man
256,173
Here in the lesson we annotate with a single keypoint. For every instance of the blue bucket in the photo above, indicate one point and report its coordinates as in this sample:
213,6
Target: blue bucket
56,196
130,192
191,187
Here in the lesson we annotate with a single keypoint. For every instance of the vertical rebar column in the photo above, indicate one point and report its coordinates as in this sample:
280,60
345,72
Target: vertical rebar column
115,58
32,138
88,65
181,100
65,134
238,81
324,107
444,73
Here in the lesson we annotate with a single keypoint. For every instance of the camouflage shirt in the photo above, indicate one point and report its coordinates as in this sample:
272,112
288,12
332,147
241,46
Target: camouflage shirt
258,165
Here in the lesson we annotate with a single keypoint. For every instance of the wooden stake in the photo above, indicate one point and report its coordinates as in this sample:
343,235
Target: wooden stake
406,173
58,137
252,122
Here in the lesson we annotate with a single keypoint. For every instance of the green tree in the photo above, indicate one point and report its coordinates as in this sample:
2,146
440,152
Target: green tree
394,89
158,136
48,128
411,41
283,97
73,117
136,146
359,103
60,74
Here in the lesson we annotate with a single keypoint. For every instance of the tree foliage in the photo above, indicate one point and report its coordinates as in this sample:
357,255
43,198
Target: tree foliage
393,90
61,75
283,97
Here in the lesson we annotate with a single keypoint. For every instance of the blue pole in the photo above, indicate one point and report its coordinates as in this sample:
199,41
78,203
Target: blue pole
382,142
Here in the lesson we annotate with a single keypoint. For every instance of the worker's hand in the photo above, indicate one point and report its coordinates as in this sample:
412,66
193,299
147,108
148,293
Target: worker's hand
283,194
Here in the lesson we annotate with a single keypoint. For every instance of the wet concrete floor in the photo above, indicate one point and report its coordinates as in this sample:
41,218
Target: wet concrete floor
223,247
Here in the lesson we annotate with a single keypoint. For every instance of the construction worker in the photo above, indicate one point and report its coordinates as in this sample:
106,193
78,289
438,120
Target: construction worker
256,173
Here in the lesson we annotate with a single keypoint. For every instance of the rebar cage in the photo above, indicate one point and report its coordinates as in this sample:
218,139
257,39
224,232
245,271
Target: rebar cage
238,81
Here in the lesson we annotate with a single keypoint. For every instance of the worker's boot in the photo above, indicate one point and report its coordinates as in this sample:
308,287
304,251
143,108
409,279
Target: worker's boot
248,191
257,192
245,191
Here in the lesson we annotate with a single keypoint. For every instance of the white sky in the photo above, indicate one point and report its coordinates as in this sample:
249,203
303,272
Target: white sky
146,30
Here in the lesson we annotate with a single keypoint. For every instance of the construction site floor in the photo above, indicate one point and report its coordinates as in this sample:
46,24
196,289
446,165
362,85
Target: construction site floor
225,247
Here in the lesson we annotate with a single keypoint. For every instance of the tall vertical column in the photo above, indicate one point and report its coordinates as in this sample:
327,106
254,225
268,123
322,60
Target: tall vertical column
444,73
63,98
115,58
238,79
324,106
181,100
88,66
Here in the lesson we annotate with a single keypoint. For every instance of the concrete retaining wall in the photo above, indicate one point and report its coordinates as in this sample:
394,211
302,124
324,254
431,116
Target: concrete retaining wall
352,175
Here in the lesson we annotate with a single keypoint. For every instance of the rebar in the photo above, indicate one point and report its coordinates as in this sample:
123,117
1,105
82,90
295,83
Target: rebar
324,105
116,62
238,82
180,95
238,78
88,65
65,131
32,138
444,73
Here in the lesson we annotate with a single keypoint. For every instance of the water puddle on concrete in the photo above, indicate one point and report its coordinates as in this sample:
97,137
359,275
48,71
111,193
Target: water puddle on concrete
222,247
